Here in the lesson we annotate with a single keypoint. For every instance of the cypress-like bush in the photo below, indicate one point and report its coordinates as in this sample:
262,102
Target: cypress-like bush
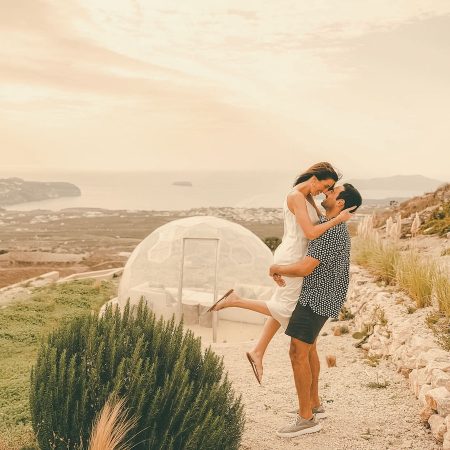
179,394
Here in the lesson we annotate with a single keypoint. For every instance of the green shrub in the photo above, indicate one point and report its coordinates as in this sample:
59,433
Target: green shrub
23,325
177,392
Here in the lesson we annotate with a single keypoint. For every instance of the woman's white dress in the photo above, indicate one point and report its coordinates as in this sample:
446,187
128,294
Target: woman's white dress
292,249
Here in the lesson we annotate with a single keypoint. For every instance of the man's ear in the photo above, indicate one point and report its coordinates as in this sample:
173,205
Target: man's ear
341,203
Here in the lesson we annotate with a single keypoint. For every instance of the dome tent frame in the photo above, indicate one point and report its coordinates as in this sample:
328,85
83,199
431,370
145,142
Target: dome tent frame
180,284
218,255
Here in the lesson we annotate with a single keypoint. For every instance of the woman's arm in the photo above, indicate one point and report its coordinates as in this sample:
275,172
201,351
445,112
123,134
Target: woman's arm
312,231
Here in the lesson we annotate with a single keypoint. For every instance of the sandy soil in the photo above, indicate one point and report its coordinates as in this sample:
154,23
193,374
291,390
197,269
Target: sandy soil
359,417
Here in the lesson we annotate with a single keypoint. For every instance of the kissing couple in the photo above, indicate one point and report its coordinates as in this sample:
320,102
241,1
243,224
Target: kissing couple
311,270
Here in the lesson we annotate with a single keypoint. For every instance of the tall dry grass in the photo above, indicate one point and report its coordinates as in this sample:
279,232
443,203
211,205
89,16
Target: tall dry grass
380,257
415,276
111,427
441,290
423,280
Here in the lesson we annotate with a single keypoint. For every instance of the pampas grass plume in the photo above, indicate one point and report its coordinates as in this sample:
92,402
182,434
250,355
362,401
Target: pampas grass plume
111,427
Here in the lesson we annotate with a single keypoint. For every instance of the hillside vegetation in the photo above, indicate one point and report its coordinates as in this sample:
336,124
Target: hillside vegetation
433,209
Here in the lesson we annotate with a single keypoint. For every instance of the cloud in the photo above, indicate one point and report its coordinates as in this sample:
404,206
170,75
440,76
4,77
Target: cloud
217,75
251,16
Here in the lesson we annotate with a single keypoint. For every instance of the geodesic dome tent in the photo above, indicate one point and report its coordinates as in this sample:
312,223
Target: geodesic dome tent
185,264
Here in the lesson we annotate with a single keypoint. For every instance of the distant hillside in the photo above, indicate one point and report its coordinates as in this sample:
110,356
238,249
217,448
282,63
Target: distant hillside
16,190
433,209
399,182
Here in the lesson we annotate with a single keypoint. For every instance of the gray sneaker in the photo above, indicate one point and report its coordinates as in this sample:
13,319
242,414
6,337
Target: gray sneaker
299,427
318,411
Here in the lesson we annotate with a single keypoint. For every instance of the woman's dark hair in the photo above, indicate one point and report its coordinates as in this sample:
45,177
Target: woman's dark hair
351,196
322,171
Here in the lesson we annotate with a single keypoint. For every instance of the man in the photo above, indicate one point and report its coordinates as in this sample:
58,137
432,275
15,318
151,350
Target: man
325,269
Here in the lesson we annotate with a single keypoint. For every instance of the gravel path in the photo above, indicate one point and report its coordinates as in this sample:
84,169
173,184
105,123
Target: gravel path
359,417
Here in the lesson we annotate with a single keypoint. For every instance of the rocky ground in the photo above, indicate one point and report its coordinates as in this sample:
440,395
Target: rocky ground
368,407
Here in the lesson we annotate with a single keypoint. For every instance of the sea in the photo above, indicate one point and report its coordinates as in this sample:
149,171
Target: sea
162,191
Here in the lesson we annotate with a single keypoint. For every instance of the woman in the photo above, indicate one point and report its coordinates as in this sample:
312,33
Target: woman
301,218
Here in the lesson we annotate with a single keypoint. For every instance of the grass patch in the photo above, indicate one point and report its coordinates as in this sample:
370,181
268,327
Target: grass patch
441,286
415,277
422,280
372,360
380,257
378,384
345,314
22,326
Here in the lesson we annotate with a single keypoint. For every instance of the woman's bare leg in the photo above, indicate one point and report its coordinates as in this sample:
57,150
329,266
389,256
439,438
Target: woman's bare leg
270,327
234,301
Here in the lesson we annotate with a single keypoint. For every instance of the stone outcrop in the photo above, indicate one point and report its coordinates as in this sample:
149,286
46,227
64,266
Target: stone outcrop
389,327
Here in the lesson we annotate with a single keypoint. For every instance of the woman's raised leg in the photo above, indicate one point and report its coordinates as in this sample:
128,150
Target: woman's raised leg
234,301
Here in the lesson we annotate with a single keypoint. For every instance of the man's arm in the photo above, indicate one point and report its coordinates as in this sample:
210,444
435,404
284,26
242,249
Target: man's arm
301,268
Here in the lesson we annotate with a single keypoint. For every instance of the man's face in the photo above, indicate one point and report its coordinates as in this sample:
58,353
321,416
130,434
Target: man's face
330,197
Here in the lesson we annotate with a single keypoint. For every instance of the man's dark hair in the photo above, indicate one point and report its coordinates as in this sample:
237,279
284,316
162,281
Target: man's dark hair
351,196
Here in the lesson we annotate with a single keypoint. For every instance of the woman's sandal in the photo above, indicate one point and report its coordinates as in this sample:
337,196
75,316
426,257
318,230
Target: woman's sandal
220,299
252,363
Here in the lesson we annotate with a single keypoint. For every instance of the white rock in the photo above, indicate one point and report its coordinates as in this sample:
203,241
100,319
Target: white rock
446,443
444,366
419,382
409,361
417,379
438,427
412,379
439,400
423,390
432,355
439,378
420,344
425,414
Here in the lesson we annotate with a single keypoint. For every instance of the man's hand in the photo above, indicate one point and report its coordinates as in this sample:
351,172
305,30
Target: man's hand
346,214
279,280
273,270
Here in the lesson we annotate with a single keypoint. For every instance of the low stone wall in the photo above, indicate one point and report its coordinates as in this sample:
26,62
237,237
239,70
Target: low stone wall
390,326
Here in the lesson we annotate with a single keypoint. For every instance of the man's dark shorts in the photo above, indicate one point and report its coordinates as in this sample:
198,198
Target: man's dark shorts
305,324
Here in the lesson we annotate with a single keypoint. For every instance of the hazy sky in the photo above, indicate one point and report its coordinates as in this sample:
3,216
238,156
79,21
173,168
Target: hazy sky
201,84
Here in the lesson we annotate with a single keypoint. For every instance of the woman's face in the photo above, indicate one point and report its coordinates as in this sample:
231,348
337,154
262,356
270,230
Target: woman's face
321,186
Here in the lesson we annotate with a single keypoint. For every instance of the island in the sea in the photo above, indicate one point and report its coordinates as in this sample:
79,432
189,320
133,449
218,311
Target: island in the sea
182,183
15,190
